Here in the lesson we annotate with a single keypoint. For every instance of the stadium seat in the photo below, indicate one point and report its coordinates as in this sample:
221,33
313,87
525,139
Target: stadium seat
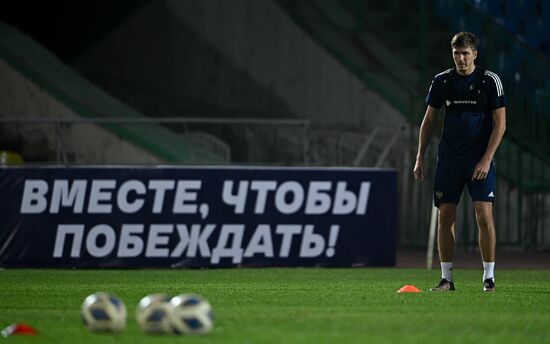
10,158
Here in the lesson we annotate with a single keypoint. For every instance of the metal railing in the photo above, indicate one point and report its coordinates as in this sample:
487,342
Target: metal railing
224,137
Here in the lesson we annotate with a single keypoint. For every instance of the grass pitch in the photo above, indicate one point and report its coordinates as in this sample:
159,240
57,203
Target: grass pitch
291,305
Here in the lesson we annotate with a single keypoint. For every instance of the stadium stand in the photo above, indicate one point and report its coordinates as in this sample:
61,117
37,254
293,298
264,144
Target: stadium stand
388,48
529,20
88,101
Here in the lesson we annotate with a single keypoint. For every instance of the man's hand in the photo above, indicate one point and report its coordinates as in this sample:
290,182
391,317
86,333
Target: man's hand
426,129
482,169
419,169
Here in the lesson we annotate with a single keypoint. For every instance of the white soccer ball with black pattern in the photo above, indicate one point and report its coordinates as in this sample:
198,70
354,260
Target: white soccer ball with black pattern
153,314
191,314
103,312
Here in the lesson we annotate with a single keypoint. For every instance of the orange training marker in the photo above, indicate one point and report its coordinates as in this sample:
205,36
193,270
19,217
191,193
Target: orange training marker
409,289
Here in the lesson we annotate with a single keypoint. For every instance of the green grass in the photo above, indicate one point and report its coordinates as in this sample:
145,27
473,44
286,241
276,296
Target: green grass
291,305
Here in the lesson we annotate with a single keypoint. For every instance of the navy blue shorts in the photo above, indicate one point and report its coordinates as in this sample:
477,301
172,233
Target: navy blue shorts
453,172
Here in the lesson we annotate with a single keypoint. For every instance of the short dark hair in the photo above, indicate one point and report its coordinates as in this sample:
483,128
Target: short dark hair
464,39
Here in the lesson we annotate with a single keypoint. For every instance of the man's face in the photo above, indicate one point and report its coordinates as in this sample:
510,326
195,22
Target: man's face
464,59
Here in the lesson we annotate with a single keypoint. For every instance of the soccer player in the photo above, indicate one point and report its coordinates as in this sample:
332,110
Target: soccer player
475,121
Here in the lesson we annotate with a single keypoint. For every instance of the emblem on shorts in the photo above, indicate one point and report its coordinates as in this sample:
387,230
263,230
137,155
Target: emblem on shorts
491,194
439,194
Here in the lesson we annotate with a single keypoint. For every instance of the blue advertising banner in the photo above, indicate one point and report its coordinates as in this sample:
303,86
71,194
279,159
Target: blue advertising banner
130,217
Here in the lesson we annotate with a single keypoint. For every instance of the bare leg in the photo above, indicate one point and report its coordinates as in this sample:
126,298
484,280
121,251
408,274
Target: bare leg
487,233
446,231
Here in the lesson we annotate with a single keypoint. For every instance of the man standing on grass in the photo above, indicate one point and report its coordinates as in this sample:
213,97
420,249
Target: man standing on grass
475,121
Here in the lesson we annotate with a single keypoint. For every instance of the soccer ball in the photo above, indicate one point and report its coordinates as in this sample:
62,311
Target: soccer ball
191,314
103,312
153,314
